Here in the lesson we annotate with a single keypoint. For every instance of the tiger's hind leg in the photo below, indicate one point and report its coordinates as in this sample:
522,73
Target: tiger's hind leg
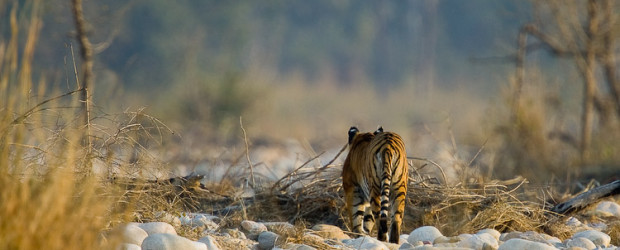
399,193
398,209
360,206
372,215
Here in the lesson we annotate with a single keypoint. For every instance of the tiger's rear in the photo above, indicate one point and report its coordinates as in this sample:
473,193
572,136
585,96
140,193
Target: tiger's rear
389,183
375,182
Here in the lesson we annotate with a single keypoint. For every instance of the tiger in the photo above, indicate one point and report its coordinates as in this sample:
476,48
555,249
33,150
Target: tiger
374,179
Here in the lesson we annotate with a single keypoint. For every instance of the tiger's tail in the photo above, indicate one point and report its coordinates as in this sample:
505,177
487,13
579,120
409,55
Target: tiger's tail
387,161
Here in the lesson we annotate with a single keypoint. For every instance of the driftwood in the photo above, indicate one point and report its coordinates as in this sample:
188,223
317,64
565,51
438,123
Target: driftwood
585,199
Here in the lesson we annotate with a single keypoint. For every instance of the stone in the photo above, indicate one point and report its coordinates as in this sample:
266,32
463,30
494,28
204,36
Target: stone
403,238
496,234
204,221
284,229
329,232
598,238
510,235
210,242
580,242
479,242
132,234
444,239
426,233
406,246
170,242
516,243
573,222
608,208
267,240
253,227
365,243
157,228
128,246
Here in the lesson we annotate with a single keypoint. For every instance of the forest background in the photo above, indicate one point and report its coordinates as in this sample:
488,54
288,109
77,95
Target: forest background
445,74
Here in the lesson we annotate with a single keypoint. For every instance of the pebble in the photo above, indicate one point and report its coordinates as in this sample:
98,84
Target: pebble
128,246
524,244
197,220
598,238
608,208
210,242
479,242
267,240
253,227
273,235
157,228
365,243
496,234
425,233
580,242
170,242
133,234
330,232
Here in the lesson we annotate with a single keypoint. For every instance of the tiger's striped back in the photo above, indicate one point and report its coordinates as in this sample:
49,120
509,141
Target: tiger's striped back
374,179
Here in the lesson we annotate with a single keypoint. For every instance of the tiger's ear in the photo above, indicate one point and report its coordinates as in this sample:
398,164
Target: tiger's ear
379,130
352,132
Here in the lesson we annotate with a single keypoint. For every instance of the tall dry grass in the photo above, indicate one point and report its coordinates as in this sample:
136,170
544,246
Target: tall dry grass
47,201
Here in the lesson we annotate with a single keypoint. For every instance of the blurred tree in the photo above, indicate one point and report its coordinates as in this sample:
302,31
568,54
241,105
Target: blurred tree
586,32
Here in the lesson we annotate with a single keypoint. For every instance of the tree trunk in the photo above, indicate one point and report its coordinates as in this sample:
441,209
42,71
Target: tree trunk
590,81
86,52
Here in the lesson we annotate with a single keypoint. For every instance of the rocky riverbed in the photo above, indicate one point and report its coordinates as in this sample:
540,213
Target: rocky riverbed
165,234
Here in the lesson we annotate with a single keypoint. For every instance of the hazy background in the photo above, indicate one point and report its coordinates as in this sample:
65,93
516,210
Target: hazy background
302,72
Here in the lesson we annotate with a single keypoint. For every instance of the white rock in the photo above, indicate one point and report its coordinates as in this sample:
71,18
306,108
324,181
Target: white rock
580,242
608,207
128,246
403,238
598,238
573,222
478,241
509,235
132,234
267,240
253,227
554,241
210,242
170,242
366,243
157,228
406,246
490,231
330,232
524,244
200,245
426,233
198,220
